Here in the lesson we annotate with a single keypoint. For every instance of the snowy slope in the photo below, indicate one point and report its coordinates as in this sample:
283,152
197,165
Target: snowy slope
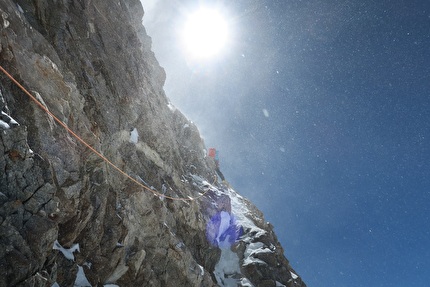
248,248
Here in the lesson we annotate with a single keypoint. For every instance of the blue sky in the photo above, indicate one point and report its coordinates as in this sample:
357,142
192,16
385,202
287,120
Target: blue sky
321,113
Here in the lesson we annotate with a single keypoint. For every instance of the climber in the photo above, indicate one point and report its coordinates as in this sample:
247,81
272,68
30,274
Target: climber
213,153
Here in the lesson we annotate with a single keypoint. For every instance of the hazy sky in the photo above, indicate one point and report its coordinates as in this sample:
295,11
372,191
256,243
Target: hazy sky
321,113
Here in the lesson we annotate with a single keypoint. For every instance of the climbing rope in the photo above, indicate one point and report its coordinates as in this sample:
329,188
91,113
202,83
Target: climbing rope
46,110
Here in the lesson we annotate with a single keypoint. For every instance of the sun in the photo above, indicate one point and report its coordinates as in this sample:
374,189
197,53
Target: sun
205,33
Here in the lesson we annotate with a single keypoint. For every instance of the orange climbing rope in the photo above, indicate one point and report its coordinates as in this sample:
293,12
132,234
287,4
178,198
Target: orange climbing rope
45,109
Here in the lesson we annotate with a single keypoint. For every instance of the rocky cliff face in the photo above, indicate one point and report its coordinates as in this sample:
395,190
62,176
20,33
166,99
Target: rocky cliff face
67,218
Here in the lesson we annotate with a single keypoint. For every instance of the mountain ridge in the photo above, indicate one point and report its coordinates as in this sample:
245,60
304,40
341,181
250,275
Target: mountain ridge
67,218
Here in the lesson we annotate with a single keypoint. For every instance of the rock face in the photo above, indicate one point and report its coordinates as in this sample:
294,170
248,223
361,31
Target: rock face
67,218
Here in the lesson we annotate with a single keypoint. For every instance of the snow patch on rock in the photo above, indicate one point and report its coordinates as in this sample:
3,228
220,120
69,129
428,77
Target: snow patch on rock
171,107
134,136
67,252
6,121
295,276
81,280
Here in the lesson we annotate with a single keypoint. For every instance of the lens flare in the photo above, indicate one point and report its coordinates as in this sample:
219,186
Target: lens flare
222,230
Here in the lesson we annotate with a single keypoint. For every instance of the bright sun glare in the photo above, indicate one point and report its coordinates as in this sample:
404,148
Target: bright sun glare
205,33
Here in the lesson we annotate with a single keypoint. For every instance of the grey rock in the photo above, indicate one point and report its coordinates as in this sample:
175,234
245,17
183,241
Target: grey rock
90,64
